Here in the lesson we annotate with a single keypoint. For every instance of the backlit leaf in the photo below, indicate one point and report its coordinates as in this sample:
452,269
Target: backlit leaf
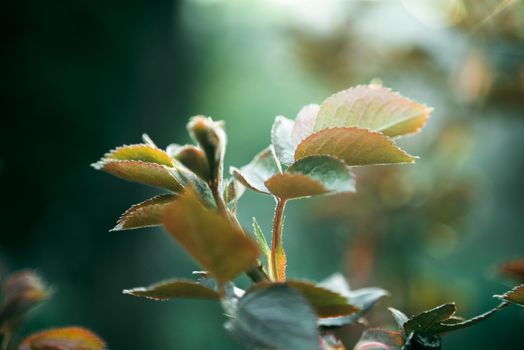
379,339
218,246
174,289
515,296
454,323
195,160
140,152
152,174
372,107
261,239
69,338
400,318
147,213
304,124
423,322
354,146
261,168
190,180
513,269
276,317
281,139
311,176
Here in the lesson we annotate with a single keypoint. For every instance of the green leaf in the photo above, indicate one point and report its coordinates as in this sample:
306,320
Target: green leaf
261,239
312,176
379,339
423,322
400,318
454,323
68,338
147,213
364,299
140,152
190,180
281,139
275,317
354,146
325,302
174,289
514,296
372,107
261,168
150,174
214,242
304,124
195,160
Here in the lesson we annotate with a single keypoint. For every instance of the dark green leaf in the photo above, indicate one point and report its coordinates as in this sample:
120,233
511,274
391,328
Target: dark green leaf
354,146
423,322
214,242
275,317
454,323
147,213
174,289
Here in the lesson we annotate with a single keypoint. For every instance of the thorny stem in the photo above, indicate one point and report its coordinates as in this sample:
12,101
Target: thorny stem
256,273
276,242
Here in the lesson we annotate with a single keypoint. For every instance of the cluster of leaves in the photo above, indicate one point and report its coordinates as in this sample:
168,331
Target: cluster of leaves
21,292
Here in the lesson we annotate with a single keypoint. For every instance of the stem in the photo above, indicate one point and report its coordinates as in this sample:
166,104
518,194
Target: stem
276,242
5,339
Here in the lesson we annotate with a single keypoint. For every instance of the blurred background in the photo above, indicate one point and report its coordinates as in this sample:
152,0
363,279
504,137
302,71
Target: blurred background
83,77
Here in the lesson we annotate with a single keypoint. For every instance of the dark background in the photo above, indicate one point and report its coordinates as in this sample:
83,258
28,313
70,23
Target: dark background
83,77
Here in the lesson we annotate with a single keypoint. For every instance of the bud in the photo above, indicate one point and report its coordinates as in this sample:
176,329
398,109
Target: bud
195,160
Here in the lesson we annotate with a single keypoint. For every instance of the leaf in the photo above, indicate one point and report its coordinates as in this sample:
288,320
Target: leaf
261,168
325,302
275,317
372,107
454,323
379,339
69,338
140,152
210,239
281,139
354,146
152,174
400,318
147,213
261,239
423,322
195,160
304,124
174,289
190,180
364,299
515,296
312,176
21,291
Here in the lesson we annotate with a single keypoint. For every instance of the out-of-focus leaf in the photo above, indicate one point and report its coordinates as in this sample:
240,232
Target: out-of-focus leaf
515,296
281,139
363,299
372,107
233,190
423,322
330,342
141,152
400,318
276,317
150,174
261,239
174,289
261,168
354,146
21,291
454,323
210,239
195,160
304,124
189,180
311,176
325,302
379,339
513,269
147,213
69,338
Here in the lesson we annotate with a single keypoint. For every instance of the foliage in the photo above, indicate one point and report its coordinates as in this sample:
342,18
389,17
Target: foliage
24,290
309,156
